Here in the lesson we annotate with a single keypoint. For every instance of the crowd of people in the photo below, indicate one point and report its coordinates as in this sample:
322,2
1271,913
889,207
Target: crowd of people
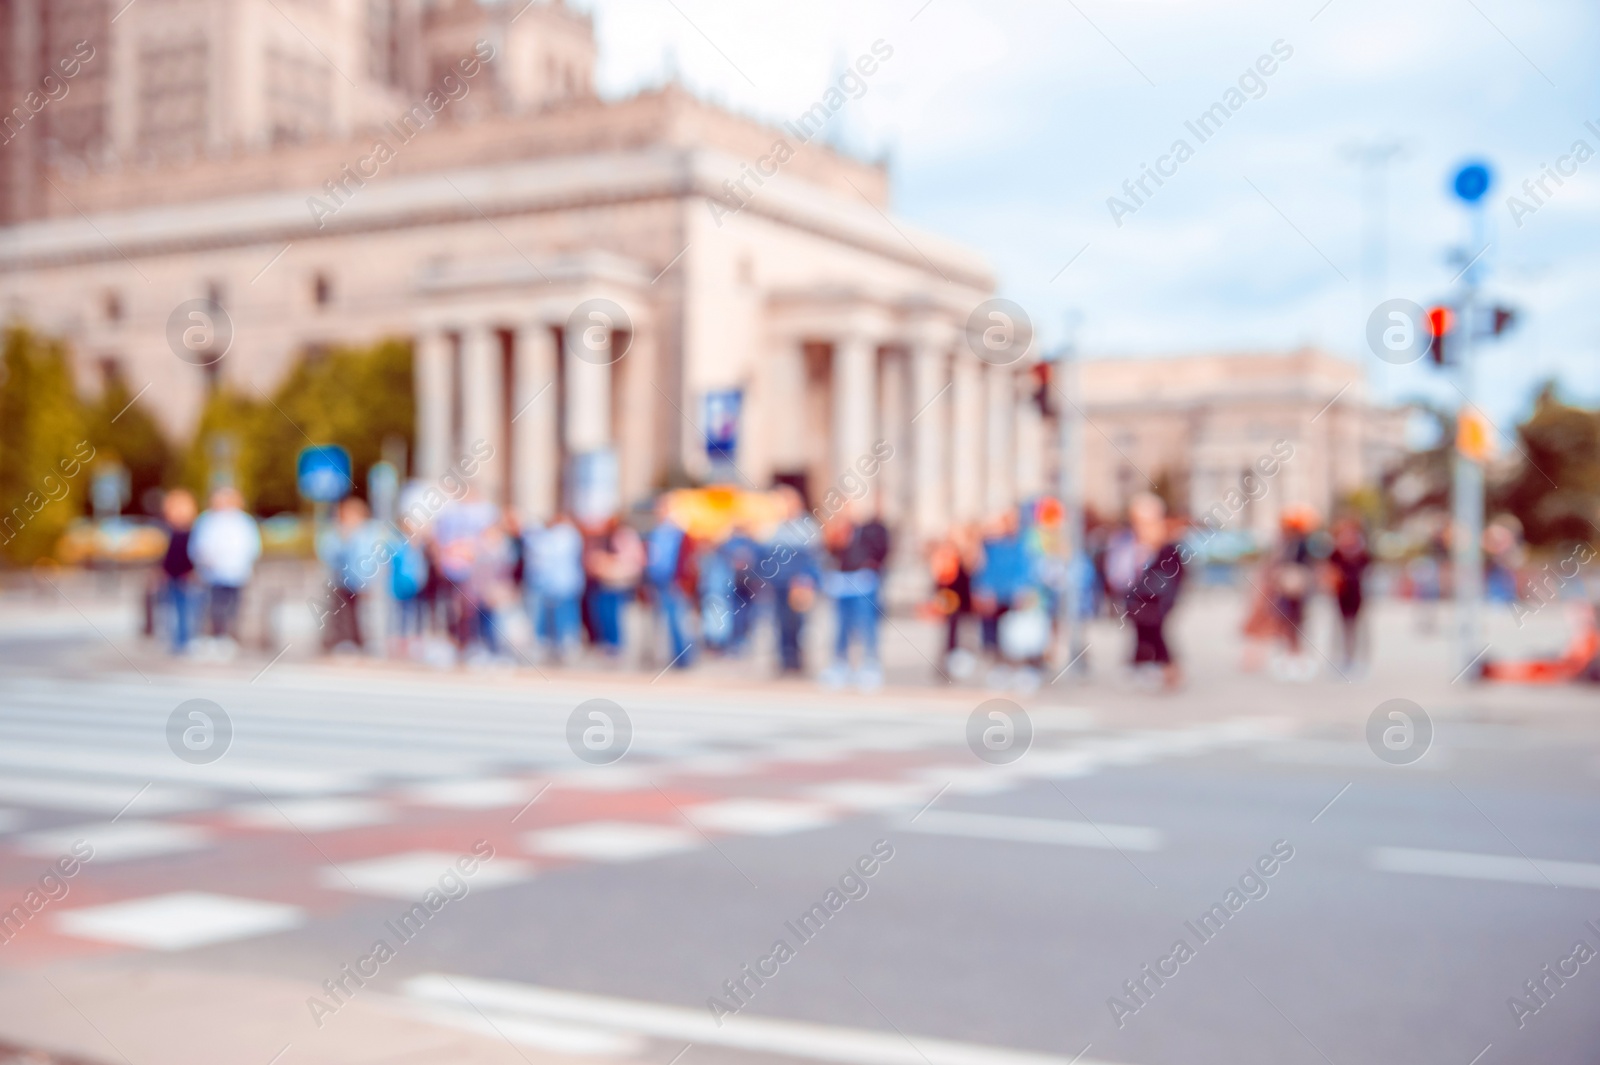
498,588
468,581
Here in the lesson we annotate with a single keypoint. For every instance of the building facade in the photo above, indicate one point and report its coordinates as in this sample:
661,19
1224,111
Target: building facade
588,284
198,193
1201,427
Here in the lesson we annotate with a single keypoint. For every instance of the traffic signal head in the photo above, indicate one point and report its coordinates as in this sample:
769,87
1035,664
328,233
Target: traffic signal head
1504,318
1441,320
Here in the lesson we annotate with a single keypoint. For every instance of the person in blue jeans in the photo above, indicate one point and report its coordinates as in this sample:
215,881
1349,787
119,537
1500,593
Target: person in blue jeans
667,562
555,573
789,568
1006,573
177,568
859,552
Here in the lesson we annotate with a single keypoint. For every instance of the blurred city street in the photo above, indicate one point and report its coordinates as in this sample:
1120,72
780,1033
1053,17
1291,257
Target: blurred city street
623,532
621,897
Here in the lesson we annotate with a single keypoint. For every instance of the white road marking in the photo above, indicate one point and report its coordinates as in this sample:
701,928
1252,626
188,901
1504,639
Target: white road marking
485,793
179,921
122,841
814,1042
1334,753
94,796
872,794
556,1037
1506,868
312,815
1037,830
965,779
611,841
413,874
764,817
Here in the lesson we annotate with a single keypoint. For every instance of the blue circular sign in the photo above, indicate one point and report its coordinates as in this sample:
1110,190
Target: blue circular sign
1472,181
323,473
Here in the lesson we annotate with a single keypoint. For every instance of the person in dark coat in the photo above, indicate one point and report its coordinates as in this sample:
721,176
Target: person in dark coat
1349,562
178,590
1154,592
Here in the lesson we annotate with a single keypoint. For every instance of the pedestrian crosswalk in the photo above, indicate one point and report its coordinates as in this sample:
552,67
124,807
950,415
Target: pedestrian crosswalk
329,793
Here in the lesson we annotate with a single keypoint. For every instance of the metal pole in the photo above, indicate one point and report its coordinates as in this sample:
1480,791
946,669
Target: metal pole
1468,494
1070,475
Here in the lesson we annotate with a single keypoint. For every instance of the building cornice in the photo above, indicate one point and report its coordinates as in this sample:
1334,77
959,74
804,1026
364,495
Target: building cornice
451,197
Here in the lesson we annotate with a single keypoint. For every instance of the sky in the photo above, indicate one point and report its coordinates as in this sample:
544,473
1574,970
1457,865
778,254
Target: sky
1008,124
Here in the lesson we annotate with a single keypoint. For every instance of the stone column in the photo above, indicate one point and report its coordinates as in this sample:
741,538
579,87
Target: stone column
431,371
930,432
967,437
588,373
533,424
855,405
634,375
482,392
786,403
1000,443
894,421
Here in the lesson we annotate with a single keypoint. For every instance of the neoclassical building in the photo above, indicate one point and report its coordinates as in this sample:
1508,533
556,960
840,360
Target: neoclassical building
624,292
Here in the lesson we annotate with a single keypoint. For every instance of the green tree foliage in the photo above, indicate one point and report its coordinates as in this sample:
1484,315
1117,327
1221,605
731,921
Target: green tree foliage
1555,491
122,430
43,446
352,397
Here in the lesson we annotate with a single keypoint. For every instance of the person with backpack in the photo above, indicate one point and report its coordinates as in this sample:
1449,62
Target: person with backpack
408,579
670,575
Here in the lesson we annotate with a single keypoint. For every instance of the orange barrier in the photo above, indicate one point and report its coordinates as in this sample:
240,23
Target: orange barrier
1585,645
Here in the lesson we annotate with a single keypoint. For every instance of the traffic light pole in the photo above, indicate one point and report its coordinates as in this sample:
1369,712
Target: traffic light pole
1070,472
1468,491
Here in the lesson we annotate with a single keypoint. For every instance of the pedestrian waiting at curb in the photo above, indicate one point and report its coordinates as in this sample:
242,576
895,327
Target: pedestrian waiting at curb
224,544
859,551
1149,599
177,568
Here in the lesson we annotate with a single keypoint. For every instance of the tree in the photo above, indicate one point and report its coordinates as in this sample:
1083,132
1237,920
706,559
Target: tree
122,430
1555,491
44,451
353,397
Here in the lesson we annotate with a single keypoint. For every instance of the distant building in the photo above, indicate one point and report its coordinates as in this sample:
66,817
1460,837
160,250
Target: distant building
338,171
1196,424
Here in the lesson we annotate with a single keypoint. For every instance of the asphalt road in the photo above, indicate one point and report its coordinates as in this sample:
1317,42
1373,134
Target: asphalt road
1418,899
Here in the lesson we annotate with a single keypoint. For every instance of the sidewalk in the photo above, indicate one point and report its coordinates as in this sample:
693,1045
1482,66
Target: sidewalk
106,1014
1411,658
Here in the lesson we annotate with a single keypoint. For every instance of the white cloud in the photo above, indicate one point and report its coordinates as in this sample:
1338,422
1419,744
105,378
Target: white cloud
1010,124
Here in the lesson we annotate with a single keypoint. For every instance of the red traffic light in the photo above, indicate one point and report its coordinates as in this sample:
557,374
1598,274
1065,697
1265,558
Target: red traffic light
1441,320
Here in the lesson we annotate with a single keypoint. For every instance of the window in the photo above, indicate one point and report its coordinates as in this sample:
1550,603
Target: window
113,306
214,292
322,290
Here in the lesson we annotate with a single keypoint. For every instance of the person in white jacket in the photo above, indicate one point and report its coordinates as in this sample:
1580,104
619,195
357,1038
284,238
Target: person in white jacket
224,546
